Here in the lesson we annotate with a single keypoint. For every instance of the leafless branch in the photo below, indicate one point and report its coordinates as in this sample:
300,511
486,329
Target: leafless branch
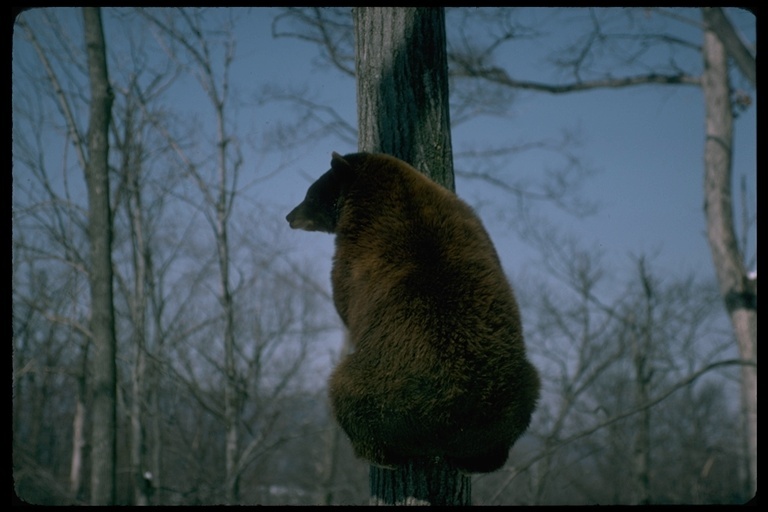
557,185
325,118
330,28
500,76
63,102
681,384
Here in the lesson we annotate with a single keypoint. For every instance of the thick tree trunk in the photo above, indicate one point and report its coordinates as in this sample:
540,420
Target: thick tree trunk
738,291
402,87
103,369
402,95
420,482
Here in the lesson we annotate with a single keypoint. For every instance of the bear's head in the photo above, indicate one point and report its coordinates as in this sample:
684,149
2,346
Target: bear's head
322,205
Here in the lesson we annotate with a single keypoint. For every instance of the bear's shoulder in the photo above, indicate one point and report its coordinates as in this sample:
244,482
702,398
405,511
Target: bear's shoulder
378,180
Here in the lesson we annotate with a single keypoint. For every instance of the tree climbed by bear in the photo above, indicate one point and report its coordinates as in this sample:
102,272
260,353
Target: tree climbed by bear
439,366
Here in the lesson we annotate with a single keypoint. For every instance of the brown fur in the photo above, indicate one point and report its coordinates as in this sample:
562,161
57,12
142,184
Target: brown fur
439,367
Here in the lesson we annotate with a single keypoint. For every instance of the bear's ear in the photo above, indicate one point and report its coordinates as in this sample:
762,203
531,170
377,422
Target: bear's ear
339,164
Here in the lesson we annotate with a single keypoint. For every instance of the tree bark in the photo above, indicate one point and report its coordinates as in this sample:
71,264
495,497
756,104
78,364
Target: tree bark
738,291
402,87
402,96
420,482
717,21
103,369
642,350
232,393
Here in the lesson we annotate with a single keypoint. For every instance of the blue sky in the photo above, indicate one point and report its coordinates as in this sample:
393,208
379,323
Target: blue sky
646,144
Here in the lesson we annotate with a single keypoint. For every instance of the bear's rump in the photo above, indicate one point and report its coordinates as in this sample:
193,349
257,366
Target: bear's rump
399,401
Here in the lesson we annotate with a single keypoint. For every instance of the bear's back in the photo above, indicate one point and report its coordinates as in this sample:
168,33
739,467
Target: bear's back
407,243
393,210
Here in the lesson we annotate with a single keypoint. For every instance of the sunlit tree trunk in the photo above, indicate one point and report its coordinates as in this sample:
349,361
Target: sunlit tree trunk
402,95
738,291
103,368
78,441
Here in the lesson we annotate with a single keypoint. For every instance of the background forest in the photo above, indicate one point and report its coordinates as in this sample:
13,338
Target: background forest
578,136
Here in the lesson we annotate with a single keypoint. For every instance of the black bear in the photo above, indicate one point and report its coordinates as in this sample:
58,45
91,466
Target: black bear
439,366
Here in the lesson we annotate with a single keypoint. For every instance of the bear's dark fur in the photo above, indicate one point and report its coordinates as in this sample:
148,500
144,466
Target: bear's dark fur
439,367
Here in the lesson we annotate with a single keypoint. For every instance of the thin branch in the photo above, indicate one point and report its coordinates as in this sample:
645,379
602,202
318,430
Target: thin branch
59,91
618,417
500,76
330,34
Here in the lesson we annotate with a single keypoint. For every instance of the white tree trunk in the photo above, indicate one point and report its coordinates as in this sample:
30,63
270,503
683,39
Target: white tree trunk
738,291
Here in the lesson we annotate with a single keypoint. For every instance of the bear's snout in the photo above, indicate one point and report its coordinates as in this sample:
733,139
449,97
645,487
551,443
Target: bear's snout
291,217
297,219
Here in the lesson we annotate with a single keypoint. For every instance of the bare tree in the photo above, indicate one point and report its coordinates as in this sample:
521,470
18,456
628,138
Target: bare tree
255,374
54,250
50,427
578,340
172,378
104,367
738,290
145,253
129,127
618,358
219,197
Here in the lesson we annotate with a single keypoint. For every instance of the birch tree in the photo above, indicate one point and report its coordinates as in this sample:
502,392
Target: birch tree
65,222
738,290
